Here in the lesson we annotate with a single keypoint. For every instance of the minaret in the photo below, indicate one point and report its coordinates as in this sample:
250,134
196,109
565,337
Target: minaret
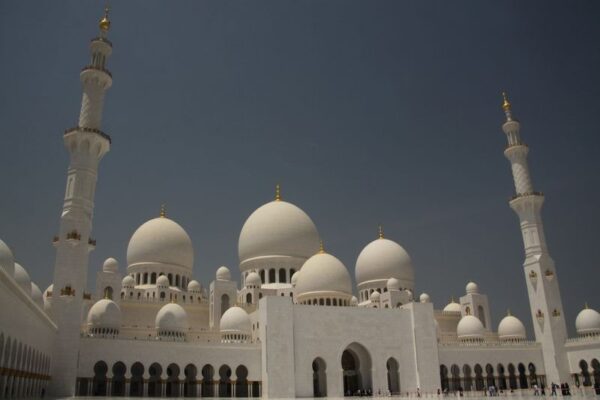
86,144
540,274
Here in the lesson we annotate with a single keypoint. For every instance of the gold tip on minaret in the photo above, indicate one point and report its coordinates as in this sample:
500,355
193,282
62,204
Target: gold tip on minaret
505,104
380,232
508,313
277,192
452,300
104,23
321,248
586,306
163,211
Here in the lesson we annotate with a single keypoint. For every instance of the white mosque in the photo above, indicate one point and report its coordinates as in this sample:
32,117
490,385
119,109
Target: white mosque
294,326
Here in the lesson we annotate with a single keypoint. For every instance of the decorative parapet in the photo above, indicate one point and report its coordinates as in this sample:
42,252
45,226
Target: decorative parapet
488,344
581,340
549,275
67,291
73,235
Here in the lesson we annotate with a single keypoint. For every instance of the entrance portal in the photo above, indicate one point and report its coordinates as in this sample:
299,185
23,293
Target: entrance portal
356,366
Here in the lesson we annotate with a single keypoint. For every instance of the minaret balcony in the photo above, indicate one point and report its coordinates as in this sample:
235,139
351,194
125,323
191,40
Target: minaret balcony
91,130
509,146
103,40
96,68
67,291
91,244
519,195
73,237
55,241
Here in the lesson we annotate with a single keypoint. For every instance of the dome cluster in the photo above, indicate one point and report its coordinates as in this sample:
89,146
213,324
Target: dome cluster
20,275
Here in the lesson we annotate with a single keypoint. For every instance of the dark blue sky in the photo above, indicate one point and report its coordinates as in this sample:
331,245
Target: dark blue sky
366,112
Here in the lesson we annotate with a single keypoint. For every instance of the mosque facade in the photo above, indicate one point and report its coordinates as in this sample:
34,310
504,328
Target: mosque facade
294,327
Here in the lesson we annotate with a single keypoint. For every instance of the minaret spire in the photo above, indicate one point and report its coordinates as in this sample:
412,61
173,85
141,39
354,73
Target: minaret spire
86,144
544,294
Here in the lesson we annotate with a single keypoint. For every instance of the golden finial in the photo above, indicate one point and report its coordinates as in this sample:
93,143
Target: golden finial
505,104
104,23
277,192
380,232
452,300
163,211
321,247
508,313
586,306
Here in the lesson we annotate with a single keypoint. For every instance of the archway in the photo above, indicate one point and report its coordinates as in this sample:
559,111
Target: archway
444,377
356,366
224,381
207,381
189,387
585,373
512,378
467,378
319,377
241,383
99,382
455,372
533,379
108,292
136,385
522,376
501,377
118,380
154,383
596,367
489,378
393,378
172,389
479,385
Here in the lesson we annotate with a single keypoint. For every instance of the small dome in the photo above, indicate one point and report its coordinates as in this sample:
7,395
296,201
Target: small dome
194,286
160,241
253,280
452,306
588,322
162,281
323,273
375,297
424,298
22,278
223,274
383,259
278,228
36,295
294,279
469,328
472,288
511,328
47,296
393,284
353,301
171,318
7,260
110,265
235,319
128,282
104,314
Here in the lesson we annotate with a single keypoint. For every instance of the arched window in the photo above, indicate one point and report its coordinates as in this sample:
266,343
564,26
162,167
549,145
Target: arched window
224,303
444,378
262,276
241,387
393,378
522,376
170,276
153,278
272,275
468,380
177,280
319,377
282,277
108,292
249,298
585,373
162,295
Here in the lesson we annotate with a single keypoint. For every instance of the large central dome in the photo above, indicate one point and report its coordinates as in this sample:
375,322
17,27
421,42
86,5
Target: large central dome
278,228
161,241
